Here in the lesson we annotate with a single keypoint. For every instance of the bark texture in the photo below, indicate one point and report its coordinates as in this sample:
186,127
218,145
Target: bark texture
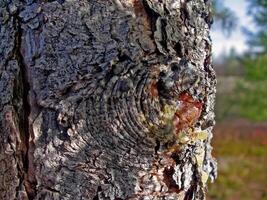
105,99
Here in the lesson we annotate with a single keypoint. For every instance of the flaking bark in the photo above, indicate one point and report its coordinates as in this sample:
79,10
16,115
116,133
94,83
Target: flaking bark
105,99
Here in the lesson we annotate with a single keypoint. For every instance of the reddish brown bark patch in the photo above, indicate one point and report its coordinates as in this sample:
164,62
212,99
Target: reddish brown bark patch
138,7
140,11
188,113
153,89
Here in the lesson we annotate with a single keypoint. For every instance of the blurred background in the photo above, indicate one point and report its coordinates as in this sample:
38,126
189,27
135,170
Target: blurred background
239,37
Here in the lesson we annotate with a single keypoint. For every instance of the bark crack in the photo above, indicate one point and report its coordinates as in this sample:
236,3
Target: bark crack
25,125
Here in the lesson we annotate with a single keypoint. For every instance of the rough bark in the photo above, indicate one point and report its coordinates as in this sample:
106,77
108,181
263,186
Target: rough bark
105,99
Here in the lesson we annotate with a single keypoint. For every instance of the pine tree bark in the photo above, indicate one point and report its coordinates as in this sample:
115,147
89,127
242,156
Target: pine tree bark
105,99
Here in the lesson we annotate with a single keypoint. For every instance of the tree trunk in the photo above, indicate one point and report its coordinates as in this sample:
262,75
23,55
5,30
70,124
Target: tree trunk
105,99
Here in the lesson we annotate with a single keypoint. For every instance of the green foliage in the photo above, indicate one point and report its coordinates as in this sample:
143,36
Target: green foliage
256,68
251,92
246,99
251,99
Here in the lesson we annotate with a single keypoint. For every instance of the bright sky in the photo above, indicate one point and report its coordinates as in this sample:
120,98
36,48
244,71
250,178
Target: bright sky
223,44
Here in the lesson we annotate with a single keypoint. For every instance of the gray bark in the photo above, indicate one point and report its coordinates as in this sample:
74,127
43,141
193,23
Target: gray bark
105,99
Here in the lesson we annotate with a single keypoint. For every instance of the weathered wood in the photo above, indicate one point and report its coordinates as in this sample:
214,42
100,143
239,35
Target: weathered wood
105,99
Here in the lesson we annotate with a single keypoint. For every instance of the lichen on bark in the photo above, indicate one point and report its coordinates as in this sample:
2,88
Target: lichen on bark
106,99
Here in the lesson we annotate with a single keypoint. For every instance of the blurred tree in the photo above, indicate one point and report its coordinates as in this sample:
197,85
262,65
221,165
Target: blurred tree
251,92
224,18
247,72
258,38
255,67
